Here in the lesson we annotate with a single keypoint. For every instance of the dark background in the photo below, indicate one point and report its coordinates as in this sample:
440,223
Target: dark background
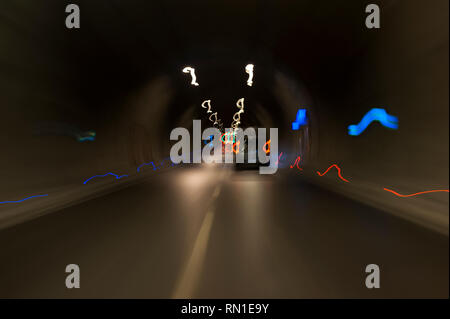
120,75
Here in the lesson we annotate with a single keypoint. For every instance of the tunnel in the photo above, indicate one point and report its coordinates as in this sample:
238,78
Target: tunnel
87,177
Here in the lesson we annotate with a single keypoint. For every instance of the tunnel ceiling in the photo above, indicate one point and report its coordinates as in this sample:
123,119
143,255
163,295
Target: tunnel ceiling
122,45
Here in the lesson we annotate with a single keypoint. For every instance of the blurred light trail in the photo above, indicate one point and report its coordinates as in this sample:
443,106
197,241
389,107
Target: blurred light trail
415,194
188,69
112,174
374,114
173,164
236,150
279,158
338,169
215,118
299,120
90,136
161,164
217,122
139,168
21,200
297,161
208,102
249,69
164,160
64,129
237,115
226,137
210,141
266,147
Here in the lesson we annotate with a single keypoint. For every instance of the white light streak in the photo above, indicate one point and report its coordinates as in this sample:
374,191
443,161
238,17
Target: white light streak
240,105
188,69
208,102
215,117
249,70
237,115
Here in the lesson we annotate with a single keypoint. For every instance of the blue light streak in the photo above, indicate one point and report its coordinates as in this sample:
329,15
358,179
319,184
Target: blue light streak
210,141
115,175
300,119
21,200
374,114
89,136
139,168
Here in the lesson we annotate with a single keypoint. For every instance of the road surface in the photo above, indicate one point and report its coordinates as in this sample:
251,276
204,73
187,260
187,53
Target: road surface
217,233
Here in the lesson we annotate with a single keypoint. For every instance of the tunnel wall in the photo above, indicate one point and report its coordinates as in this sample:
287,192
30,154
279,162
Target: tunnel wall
58,165
412,85
39,84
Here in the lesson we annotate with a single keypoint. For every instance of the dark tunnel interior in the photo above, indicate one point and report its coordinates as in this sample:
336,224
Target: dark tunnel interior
104,98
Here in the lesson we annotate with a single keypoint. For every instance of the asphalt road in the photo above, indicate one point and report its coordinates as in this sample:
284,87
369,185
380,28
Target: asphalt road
217,233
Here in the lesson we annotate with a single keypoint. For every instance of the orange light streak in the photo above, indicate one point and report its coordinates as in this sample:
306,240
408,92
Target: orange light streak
266,147
415,194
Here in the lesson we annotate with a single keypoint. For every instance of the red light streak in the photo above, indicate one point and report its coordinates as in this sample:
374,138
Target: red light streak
338,169
297,161
279,158
227,139
415,194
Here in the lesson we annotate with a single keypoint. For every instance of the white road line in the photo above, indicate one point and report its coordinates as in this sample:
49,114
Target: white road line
189,279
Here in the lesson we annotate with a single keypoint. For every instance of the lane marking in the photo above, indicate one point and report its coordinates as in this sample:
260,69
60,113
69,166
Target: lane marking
216,192
190,277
